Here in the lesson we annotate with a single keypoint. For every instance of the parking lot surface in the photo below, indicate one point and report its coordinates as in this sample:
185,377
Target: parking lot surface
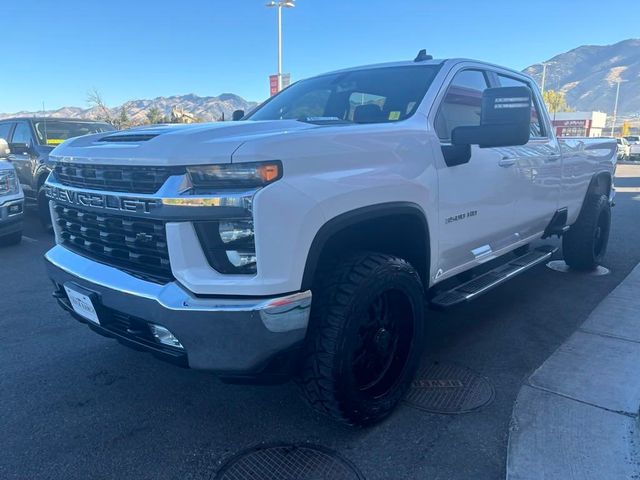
75,405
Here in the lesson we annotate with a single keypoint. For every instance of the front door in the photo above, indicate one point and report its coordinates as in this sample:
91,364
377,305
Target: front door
476,199
24,155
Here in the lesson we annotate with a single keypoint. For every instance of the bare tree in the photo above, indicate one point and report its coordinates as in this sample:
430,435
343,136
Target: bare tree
94,99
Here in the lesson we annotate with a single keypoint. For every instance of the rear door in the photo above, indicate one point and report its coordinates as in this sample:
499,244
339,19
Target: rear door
536,167
476,199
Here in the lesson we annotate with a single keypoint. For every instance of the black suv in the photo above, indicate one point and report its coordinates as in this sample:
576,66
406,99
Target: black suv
30,141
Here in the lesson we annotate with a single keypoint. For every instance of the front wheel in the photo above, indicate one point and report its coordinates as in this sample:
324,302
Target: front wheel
365,338
585,244
11,239
44,214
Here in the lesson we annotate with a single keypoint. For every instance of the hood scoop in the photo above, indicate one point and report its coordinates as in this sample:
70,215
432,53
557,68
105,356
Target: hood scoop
129,138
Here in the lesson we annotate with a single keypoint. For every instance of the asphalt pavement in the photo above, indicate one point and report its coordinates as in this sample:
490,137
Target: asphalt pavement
74,405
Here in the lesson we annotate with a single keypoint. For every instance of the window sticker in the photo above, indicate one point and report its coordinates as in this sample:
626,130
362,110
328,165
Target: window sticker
395,115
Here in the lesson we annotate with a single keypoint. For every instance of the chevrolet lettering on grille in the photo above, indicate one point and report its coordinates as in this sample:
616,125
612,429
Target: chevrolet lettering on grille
100,200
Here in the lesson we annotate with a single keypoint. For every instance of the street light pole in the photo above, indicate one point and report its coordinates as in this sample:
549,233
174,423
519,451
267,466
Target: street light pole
544,76
615,108
280,4
279,46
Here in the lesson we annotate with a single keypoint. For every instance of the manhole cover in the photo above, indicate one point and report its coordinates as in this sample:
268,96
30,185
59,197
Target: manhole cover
288,462
560,266
449,388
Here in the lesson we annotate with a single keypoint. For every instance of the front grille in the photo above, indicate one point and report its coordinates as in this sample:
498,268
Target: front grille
115,178
136,245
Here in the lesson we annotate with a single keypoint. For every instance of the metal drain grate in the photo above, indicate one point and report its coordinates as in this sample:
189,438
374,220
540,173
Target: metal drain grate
449,388
288,462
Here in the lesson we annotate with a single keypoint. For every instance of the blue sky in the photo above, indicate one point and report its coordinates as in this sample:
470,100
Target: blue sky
56,51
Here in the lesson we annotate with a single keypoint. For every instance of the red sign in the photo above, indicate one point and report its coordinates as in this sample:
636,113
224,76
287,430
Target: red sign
273,84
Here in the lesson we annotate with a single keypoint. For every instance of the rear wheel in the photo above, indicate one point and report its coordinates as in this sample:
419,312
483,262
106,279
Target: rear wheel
585,244
365,338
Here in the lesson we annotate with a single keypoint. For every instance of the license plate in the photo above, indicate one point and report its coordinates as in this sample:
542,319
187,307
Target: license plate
82,305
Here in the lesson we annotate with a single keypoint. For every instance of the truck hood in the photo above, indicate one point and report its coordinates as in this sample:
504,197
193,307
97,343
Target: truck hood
197,144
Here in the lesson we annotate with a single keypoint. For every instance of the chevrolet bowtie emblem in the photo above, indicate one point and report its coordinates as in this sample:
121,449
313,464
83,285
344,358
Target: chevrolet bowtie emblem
144,238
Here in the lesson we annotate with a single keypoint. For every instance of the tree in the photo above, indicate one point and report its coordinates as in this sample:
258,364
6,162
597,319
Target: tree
103,113
555,101
122,121
154,115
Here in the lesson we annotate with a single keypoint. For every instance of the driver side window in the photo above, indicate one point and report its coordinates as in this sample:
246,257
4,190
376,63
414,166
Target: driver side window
462,103
22,134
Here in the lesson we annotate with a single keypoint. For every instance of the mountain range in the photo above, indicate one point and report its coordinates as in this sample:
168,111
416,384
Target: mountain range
588,76
204,108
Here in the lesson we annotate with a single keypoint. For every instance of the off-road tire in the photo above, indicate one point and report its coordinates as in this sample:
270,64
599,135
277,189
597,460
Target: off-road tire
341,308
585,244
44,214
11,239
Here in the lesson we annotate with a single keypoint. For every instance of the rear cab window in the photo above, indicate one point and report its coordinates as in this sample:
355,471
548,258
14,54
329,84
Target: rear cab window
537,125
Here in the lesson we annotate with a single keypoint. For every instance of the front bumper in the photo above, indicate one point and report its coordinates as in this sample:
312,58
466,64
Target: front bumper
11,216
236,338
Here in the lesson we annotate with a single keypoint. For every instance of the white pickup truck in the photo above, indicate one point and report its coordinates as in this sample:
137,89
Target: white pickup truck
306,238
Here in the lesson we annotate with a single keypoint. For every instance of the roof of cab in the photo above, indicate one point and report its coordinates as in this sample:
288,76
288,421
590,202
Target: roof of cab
435,61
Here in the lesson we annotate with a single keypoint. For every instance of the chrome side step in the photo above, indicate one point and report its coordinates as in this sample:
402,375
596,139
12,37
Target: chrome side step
485,282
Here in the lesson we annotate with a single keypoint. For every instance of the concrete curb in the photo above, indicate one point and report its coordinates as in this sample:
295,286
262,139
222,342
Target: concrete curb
576,417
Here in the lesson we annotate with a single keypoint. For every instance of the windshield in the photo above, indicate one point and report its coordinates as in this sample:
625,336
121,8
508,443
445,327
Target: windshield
376,95
54,132
632,138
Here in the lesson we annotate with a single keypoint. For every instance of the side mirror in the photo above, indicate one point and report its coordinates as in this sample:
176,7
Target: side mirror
505,120
20,148
4,149
237,115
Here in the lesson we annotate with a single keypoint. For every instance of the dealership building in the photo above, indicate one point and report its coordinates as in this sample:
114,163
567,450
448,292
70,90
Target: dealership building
579,124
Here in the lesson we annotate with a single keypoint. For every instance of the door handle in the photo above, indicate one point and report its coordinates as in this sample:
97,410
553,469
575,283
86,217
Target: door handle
507,162
553,157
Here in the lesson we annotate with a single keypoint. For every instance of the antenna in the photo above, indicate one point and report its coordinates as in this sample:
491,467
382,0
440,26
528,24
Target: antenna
44,121
422,56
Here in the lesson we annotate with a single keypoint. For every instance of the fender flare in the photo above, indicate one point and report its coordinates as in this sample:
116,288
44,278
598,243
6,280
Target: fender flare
359,215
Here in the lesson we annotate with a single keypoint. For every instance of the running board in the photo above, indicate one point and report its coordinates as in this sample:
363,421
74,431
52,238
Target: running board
485,282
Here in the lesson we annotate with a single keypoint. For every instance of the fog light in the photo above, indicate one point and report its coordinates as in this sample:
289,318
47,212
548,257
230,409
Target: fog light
245,260
164,336
15,209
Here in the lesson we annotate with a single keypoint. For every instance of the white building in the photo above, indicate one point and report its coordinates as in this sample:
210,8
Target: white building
579,124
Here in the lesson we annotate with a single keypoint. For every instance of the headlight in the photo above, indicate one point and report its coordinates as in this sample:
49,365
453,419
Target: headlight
8,183
234,175
229,244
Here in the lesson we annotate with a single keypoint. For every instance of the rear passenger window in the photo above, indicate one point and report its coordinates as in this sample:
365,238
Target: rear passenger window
536,123
4,131
462,103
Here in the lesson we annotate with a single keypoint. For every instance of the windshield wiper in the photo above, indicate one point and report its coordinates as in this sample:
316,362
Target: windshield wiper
324,120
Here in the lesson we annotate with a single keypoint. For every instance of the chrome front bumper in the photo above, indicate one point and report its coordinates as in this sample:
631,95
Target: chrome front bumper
11,215
230,336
